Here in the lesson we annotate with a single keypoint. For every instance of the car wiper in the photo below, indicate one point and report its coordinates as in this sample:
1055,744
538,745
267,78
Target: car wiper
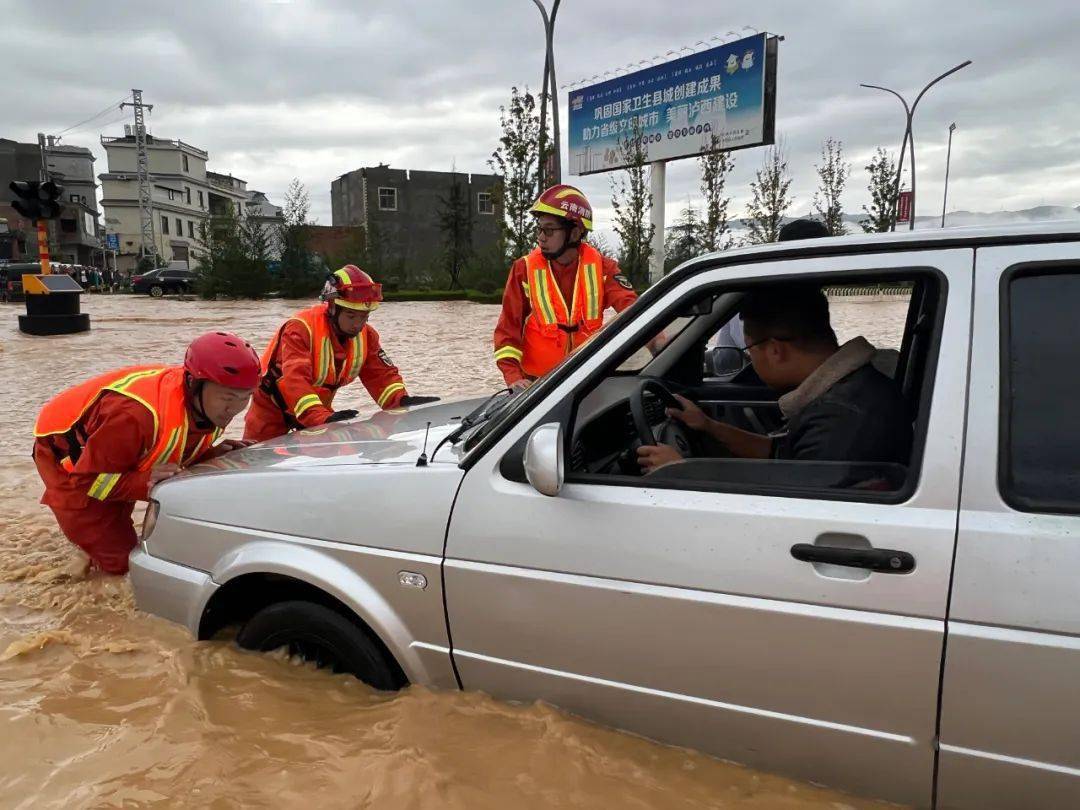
471,420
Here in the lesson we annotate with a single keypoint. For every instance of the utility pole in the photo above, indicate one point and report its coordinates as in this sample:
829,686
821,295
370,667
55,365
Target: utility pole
948,158
909,137
147,247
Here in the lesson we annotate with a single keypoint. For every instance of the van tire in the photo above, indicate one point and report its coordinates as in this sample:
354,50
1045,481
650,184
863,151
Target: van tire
317,633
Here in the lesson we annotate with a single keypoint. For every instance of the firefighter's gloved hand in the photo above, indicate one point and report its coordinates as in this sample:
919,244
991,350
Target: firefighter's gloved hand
341,416
406,401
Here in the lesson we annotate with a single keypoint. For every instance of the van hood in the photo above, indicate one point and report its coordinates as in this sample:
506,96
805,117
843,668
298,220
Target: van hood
389,437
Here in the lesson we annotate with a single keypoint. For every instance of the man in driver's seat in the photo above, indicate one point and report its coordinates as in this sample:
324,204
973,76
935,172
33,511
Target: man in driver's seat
836,405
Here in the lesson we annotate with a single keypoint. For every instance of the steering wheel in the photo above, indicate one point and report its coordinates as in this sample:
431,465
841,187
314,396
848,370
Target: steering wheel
637,407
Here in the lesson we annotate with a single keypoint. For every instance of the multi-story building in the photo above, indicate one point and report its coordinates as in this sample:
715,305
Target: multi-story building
73,238
184,195
405,208
77,231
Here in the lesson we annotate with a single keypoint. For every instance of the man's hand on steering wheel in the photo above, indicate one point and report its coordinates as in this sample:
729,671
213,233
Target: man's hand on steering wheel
652,457
690,414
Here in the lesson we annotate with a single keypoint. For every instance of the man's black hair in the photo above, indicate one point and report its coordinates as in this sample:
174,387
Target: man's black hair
802,229
796,312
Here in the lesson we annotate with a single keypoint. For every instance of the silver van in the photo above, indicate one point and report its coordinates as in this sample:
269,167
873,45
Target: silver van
903,631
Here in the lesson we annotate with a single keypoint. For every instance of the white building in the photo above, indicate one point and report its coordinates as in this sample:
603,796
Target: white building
184,195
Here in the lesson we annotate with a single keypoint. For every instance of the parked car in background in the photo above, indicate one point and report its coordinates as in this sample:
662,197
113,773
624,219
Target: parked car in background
164,281
11,286
909,631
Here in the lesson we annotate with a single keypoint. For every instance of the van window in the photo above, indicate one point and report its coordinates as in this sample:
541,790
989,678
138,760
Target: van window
1040,458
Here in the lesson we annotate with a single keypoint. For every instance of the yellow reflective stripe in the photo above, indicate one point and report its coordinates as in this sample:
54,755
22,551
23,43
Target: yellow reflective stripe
103,485
324,357
343,276
543,296
163,456
389,391
509,353
121,384
305,403
592,293
357,359
525,287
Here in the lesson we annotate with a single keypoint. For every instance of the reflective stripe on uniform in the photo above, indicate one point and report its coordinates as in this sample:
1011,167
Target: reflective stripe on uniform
508,353
592,293
103,485
66,464
163,456
305,403
543,297
389,391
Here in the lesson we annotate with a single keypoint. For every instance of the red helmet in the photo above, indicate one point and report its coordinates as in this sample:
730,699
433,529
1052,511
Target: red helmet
223,358
566,202
352,288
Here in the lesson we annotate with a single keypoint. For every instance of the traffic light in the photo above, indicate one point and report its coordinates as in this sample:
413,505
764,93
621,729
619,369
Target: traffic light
36,200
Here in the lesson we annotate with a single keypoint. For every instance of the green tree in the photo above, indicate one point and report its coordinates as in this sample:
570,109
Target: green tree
833,173
455,222
231,258
518,161
301,274
632,204
716,164
771,198
881,214
683,240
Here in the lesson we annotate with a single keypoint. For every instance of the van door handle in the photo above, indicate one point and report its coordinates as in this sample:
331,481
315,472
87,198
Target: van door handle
882,560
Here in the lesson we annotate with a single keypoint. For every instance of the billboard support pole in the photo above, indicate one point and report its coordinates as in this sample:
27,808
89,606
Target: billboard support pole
657,178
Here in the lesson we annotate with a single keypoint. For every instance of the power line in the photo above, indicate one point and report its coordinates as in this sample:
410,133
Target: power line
94,116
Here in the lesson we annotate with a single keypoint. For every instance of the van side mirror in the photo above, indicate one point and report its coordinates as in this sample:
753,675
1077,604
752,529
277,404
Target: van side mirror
543,461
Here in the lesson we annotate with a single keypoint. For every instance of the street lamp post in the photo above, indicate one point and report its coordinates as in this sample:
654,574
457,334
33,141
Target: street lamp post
909,114
948,158
549,81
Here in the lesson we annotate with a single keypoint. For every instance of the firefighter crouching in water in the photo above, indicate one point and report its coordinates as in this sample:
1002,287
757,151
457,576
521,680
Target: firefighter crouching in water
102,445
319,350
556,296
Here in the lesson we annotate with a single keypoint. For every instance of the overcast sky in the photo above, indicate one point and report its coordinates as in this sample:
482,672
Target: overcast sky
315,89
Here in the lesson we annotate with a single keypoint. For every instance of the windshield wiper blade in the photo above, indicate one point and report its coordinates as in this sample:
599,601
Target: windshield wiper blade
472,419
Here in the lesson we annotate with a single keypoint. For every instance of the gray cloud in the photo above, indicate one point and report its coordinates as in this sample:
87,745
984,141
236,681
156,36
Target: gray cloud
315,89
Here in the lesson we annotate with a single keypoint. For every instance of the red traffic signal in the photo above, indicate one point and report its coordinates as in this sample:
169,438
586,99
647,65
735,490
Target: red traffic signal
36,200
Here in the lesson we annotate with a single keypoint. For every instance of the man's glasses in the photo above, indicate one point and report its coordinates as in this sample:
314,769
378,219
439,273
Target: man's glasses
547,230
746,349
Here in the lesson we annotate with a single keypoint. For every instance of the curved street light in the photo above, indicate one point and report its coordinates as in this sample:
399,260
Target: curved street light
549,81
909,114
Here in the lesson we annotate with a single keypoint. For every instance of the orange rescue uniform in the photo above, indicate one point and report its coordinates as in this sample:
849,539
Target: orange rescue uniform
536,329
304,366
95,446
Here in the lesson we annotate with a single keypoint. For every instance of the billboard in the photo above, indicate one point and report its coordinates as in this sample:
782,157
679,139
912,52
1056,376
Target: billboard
676,107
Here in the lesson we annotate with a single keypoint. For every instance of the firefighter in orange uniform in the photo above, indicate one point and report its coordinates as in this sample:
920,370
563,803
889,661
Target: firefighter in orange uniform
102,445
319,350
556,296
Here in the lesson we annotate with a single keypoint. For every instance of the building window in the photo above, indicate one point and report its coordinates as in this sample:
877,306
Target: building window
68,226
169,192
185,161
190,229
387,199
179,227
74,198
165,225
484,203
239,210
187,194
200,200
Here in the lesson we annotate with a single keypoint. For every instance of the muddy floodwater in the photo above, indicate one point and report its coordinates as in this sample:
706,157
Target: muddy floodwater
103,706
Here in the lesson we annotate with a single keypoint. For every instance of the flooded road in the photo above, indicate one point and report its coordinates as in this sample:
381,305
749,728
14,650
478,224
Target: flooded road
103,706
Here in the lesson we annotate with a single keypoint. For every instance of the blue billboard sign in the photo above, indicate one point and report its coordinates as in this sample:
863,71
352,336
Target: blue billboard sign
112,241
678,107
